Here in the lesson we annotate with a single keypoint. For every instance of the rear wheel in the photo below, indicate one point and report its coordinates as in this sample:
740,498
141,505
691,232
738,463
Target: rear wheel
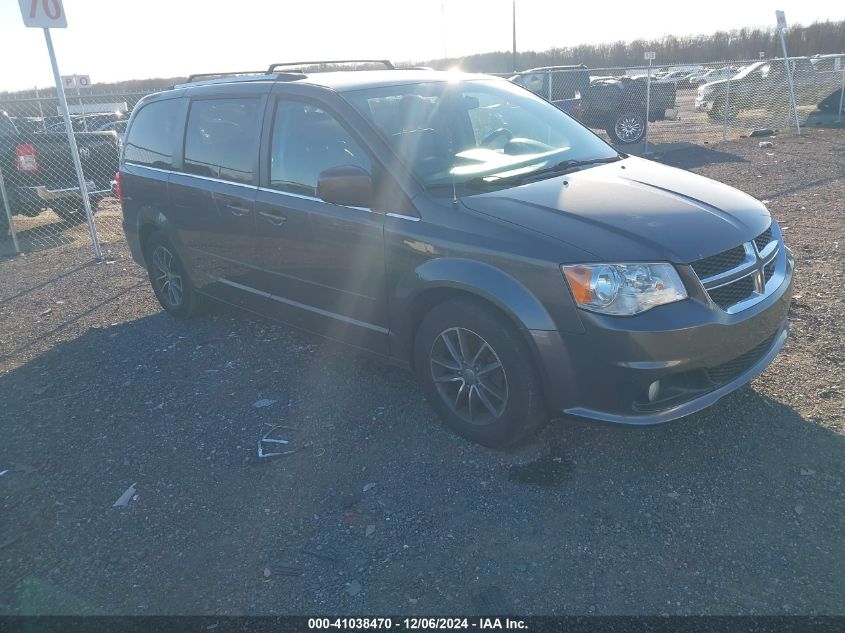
477,373
627,128
167,275
70,212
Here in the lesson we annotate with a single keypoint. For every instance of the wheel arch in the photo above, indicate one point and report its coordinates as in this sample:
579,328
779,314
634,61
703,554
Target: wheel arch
440,280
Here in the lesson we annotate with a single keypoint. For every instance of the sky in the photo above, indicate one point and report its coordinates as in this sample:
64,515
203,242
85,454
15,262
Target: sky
112,40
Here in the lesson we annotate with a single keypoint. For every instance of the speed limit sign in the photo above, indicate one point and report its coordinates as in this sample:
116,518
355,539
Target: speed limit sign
43,14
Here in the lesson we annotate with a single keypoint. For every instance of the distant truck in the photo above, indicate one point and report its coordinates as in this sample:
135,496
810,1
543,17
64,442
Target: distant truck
39,174
614,104
764,85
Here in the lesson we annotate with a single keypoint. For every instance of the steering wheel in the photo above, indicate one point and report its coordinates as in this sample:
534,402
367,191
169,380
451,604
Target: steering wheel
495,134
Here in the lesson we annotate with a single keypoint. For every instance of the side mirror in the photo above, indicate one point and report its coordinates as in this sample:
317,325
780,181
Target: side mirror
347,185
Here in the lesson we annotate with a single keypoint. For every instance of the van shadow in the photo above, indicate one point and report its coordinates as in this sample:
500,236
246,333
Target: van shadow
170,406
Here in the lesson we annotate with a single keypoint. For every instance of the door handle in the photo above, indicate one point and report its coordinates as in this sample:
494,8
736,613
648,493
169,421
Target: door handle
273,218
237,210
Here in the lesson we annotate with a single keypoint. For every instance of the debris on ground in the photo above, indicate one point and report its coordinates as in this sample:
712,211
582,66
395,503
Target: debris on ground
268,446
124,499
368,487
353,588
264,402
766,144
3,472
369,531
763,132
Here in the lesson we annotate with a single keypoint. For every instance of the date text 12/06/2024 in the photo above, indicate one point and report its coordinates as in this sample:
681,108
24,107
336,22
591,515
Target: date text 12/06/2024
417,623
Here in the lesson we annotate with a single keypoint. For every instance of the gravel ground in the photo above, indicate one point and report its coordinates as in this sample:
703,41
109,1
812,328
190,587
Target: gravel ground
736,510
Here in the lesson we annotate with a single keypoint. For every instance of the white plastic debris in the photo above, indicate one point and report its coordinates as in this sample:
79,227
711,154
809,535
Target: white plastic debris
264,402
368,487
125,498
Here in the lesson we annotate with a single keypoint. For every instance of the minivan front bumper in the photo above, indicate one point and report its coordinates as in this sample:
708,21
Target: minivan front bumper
664,364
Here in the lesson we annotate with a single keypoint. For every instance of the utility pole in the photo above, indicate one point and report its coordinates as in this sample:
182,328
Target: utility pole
514,36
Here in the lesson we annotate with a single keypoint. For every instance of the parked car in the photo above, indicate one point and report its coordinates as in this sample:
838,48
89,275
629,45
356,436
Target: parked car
714,74
39,174
831,65
614,104
764,85
462,227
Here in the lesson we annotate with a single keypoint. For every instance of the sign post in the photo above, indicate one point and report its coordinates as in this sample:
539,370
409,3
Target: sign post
47,14
781,18
650,55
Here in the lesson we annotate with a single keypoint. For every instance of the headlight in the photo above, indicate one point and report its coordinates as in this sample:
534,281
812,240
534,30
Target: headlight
623,289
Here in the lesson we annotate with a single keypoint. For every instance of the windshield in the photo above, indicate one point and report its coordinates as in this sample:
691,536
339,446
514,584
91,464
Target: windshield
454,132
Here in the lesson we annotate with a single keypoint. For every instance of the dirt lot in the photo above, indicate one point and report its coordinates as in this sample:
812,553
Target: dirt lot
736,510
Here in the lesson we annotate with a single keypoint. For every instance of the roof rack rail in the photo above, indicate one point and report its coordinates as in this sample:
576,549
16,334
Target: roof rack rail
195,77
386,63
223,78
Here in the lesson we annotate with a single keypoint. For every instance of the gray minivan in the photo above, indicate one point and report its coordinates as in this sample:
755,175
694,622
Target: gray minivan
462,227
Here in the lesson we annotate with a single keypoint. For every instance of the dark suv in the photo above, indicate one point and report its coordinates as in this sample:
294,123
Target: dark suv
460,226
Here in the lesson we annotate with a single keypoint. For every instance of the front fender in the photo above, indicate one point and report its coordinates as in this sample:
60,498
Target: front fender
469,276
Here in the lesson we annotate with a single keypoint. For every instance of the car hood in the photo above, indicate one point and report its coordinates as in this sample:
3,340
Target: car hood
631,210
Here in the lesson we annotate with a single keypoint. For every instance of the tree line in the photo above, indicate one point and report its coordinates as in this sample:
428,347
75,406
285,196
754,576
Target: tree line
738,44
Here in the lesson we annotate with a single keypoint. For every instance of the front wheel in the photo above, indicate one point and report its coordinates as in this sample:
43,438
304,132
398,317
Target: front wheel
720,111
171,285
627,128
478,373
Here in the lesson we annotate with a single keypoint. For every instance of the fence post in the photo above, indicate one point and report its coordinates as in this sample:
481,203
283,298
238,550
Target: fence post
8,212
40,110
550,87
81,106
841,97
74,152
727,105
647,104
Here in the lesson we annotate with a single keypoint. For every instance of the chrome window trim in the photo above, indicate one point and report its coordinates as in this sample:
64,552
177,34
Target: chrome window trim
211,179
399,216
312,199
183,173
164,171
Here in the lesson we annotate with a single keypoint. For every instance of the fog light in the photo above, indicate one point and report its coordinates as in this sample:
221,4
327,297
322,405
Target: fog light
654,391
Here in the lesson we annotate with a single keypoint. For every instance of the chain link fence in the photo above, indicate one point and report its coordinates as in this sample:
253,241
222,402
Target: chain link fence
40,187
695,103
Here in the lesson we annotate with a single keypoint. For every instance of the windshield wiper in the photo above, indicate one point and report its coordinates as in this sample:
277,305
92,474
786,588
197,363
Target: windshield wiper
557,169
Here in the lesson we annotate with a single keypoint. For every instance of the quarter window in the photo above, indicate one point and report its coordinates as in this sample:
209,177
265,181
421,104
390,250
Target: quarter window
152,135
307,141
221,139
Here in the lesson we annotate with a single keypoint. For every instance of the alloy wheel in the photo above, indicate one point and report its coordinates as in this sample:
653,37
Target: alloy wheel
629,128
166,276
469,376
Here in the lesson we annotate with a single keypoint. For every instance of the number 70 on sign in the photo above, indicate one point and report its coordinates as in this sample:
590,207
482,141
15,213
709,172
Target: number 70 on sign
43,14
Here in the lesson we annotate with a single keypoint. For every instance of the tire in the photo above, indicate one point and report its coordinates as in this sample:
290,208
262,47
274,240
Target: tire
717,112
171,285
503,403
629,127
70,212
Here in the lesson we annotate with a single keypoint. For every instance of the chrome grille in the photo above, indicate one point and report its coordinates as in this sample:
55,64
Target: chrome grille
738,277
731,294
763,240
719,263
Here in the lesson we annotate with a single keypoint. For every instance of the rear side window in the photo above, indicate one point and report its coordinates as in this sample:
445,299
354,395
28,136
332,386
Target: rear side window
152,136
221,140
306,141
